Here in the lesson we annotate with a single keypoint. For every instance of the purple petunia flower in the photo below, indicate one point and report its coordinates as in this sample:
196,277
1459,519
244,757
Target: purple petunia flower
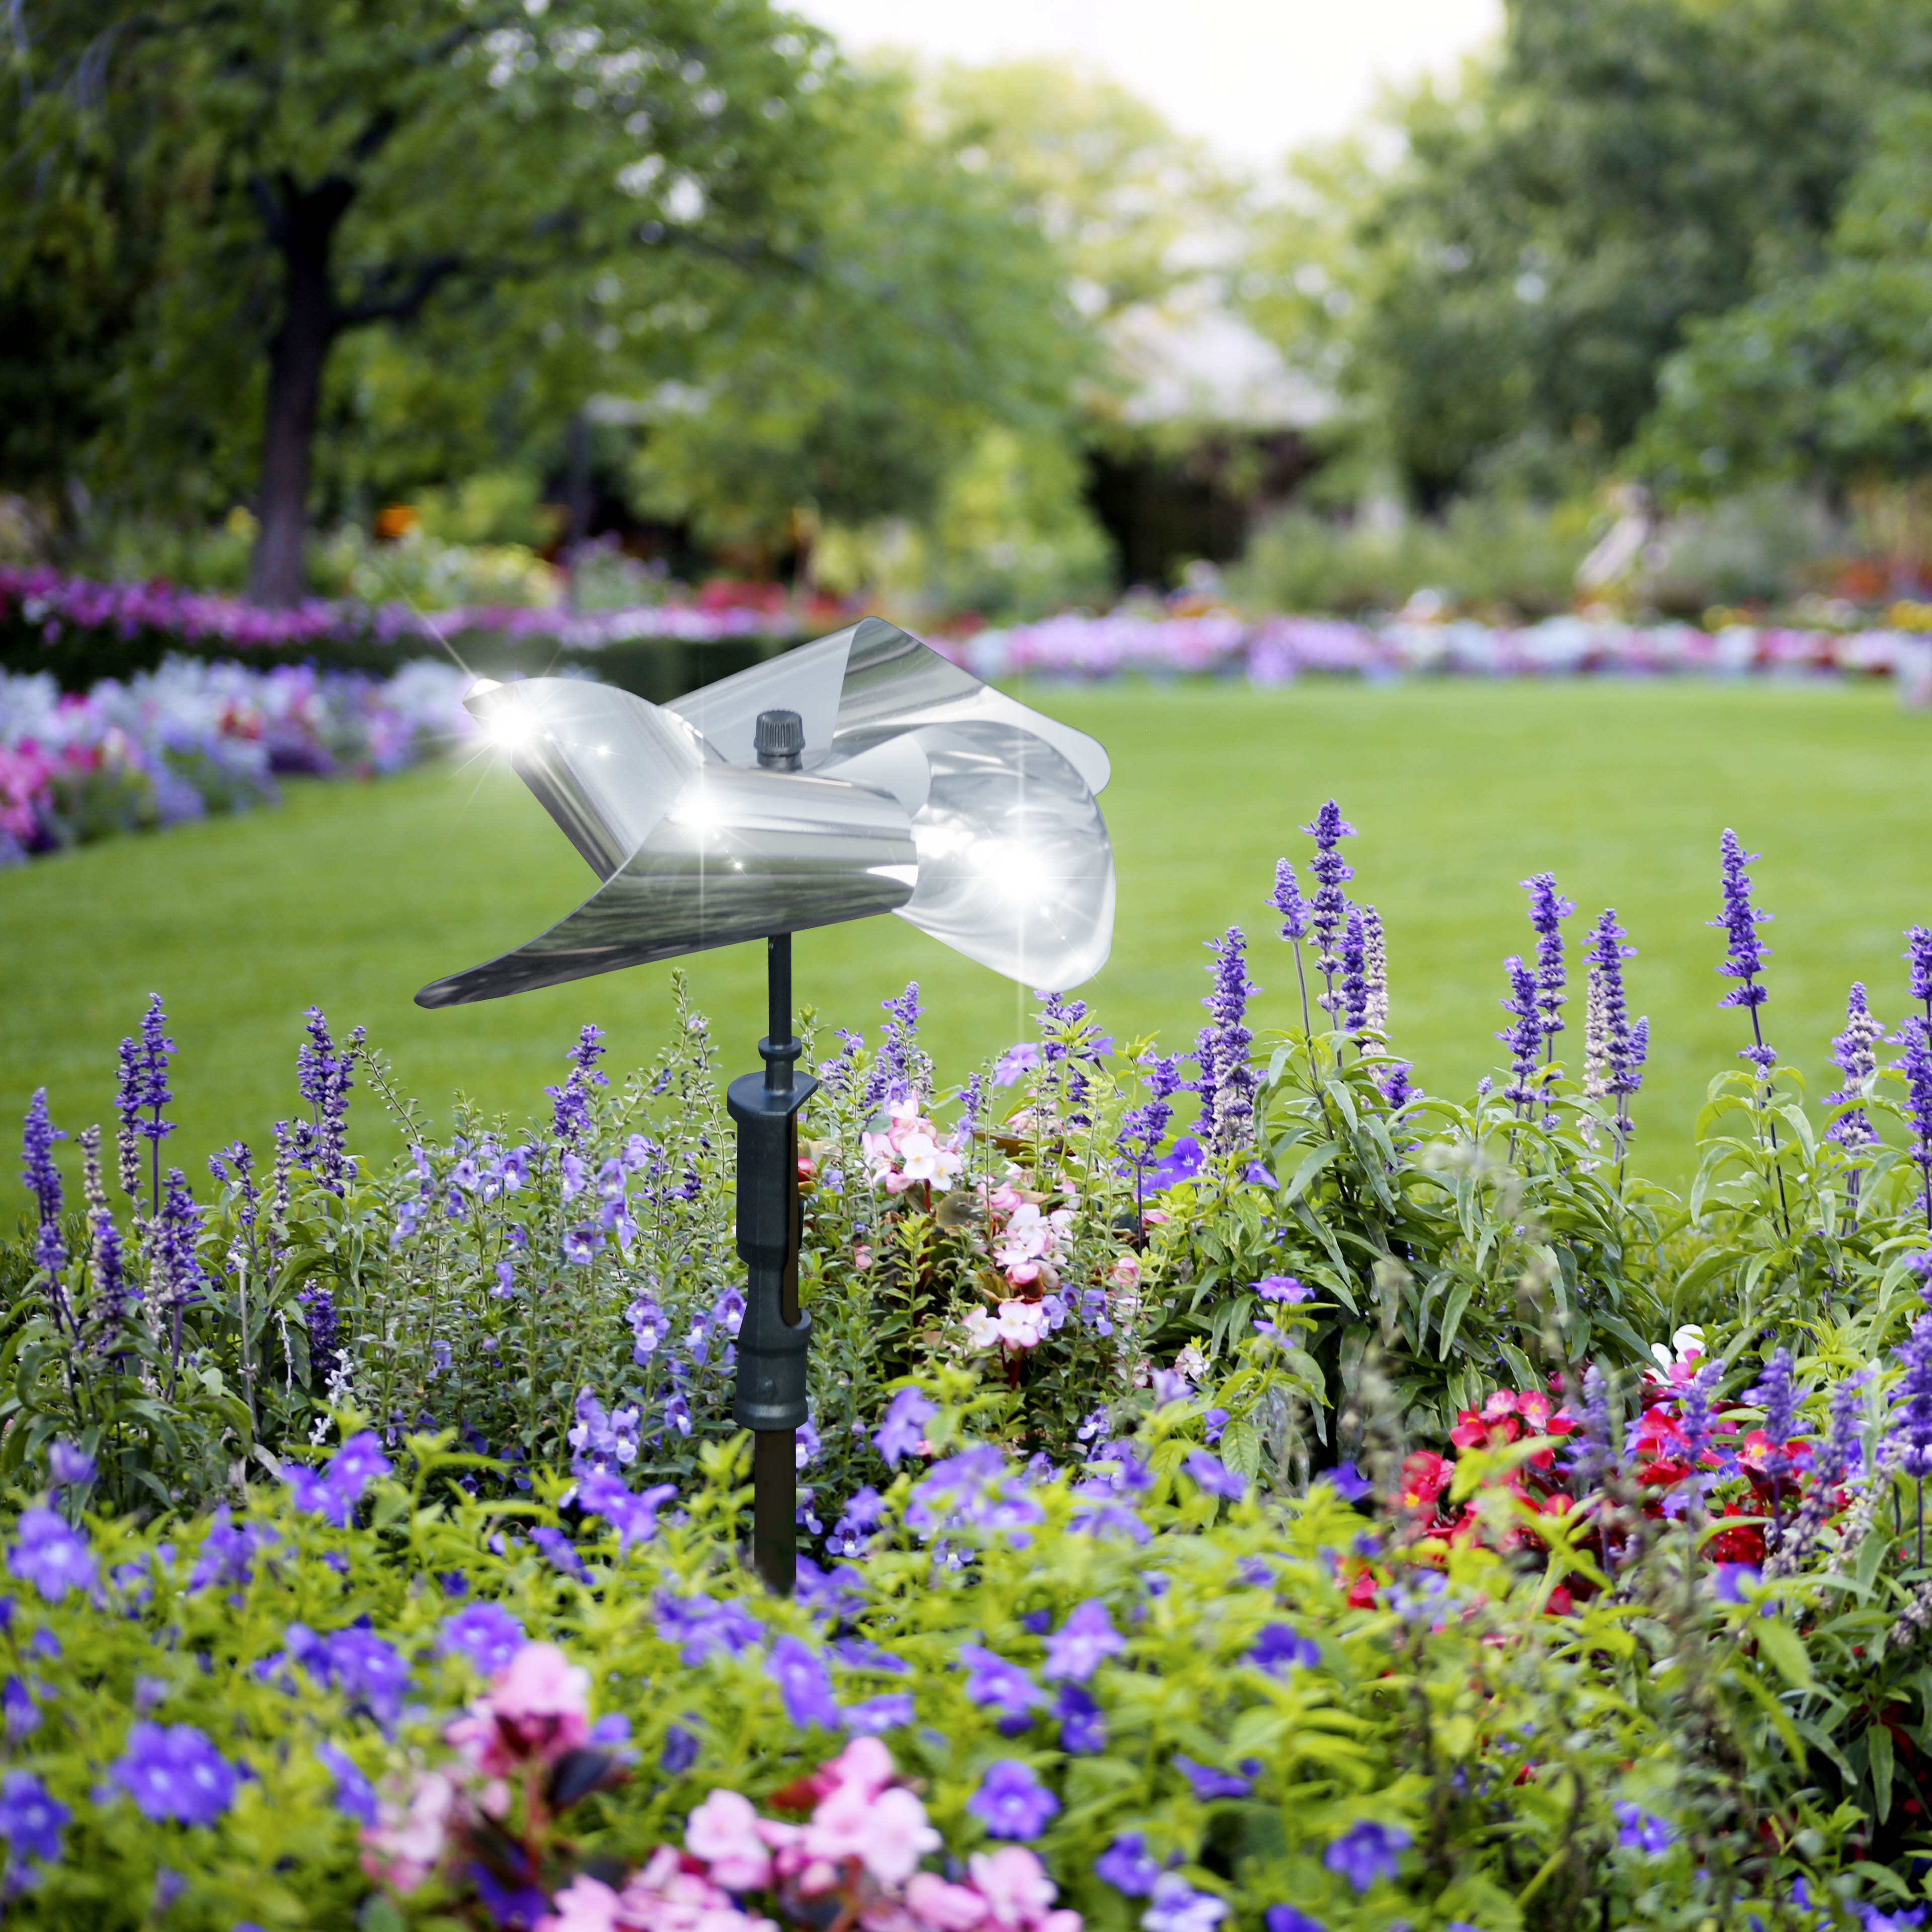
1011,1802
370,1671
1177,1907
49,1555
1083,1724
173,1772
703,1627
1281,1647
32,1821
995,1683
486,1633
1208,1783
1287,1918
890,1711
1128,1866
1282,1288
633,1515
69,1467
1214,1476
357,1463
1076,1650
1366,1852
805,1685
904,1428
1349,1482
228,1551
354,1796
1643,1831
680,1750
562,1553
21,1713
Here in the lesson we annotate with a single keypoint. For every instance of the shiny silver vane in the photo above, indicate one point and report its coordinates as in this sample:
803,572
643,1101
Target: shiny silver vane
917,790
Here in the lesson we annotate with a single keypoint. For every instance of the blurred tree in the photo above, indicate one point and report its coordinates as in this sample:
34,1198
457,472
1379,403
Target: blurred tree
201,201
1826,375
992,231
1496,285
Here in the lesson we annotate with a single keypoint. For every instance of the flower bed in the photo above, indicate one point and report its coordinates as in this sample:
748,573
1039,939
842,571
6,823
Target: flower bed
1370,1510
193,738
83,630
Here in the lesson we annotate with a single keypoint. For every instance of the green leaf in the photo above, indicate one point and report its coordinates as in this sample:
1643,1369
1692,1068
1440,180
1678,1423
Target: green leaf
1778,1642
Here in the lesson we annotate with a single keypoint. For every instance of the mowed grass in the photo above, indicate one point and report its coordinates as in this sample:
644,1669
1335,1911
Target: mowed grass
352,896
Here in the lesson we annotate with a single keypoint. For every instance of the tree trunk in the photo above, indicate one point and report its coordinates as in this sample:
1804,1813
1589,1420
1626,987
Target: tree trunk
303,227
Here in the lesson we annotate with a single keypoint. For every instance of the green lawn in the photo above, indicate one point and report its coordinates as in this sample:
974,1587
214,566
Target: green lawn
352,896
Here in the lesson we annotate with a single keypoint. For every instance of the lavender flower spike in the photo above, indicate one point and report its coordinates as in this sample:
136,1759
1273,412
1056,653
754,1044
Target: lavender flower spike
1355,973
1329,906
1615,1046
1525,1037
1915,1064
43,1182
1918,943
1548,909
1743,956
1296,912
1227,1084
1375,973
1854,1054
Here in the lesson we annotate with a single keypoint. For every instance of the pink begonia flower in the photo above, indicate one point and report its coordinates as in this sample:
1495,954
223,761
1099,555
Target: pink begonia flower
941,1907
924,1159
1024,1325
1018,1891
1006,1199
864,1762
1126,1271
862,1257
406,1843
584,1905
886,1830
982,1331
537,1707
665,1897
723,1831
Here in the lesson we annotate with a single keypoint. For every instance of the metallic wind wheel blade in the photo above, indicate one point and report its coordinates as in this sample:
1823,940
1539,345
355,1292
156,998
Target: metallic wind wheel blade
920,790
1015,869
738,855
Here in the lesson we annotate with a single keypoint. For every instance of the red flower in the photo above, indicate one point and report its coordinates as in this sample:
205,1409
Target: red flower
1425,1475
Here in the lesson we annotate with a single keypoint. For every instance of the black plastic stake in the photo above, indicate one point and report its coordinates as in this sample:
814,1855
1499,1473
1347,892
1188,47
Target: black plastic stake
775,1333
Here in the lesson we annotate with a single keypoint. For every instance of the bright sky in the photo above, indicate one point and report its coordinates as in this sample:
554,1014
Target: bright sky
1255,77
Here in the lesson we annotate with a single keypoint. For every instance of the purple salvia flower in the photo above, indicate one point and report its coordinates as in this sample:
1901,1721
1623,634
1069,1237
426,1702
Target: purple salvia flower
1596,1449
1777,1395
1143,1128
1743,956
43,1182
1548,909
1354,976
971,1099
1295,913
902,1067
1919,942
1287,900
325,1077
1228,1083
1915,1064
1524,1038
1912,1400
1614,1047
1375,973
570,1103
144,1086
835,1075
1854,1053
114,1297
1395,1087
318,1307
1329,907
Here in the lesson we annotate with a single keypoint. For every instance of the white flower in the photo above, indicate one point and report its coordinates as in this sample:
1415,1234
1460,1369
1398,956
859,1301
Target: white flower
981,1329
1023,1324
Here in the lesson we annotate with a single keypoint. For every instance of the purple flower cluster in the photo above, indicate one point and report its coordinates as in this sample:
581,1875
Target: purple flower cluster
632,1514
174,1773
903,1428
900,1067
50,1555
703,1627
1855,1053
484,1633
976,1490
370,1673
1367,1852
43,1182
1614,1047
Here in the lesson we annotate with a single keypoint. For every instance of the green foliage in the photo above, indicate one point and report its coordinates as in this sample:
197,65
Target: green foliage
1495,553
1502,291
